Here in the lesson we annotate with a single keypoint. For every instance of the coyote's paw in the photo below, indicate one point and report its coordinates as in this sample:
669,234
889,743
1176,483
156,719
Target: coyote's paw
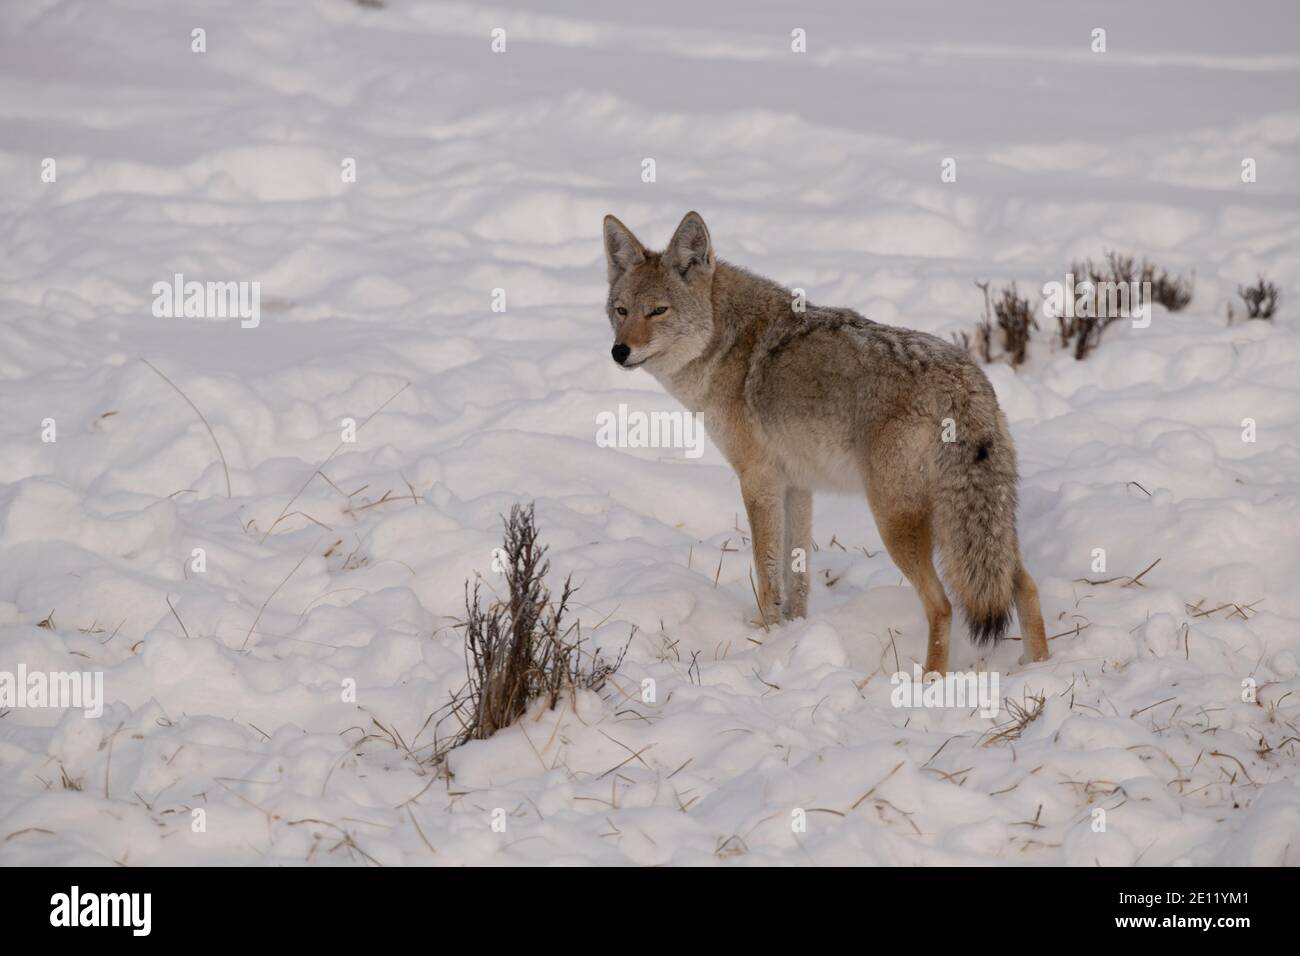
795,608
1028,658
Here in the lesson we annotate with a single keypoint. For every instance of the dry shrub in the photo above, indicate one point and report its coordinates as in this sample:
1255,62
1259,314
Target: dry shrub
1009,320
1171,291
522,648
1082,333
1262,300
1011,315
1015,319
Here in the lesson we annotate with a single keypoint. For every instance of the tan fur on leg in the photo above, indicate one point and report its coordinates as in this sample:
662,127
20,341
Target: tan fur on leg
907,538
765,505
798,534
1031,618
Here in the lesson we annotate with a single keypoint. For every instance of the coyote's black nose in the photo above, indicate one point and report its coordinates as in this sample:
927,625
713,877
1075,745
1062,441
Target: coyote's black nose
620,353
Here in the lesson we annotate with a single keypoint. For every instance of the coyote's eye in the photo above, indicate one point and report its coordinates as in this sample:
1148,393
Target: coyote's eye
659,311
621,311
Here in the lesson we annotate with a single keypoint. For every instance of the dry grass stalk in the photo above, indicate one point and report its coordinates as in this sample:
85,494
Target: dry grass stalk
1021,716
203,418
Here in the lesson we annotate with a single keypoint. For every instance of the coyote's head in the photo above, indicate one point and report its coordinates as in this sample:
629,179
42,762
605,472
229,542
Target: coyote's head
660,303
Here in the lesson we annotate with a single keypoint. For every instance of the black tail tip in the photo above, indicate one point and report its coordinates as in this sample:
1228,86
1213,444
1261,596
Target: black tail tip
989,628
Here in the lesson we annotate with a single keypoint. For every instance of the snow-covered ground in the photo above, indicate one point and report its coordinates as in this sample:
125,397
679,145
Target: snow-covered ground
1171,703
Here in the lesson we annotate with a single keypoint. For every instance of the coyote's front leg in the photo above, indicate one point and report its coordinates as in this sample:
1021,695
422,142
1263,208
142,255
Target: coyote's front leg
798,537
764,496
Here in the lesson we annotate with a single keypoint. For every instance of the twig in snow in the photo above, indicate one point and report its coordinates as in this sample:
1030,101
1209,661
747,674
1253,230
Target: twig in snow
184,629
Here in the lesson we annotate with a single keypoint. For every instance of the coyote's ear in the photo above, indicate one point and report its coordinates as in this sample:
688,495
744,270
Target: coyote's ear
691,248
622,250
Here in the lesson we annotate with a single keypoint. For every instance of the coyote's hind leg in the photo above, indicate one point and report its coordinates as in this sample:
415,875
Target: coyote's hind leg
907,539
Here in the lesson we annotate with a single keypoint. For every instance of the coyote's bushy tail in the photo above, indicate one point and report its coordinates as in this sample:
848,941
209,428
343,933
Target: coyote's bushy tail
975,519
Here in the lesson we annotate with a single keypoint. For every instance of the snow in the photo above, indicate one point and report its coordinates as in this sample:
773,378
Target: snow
479,171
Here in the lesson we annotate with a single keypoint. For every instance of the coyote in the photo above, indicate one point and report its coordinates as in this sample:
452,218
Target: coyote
800,397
